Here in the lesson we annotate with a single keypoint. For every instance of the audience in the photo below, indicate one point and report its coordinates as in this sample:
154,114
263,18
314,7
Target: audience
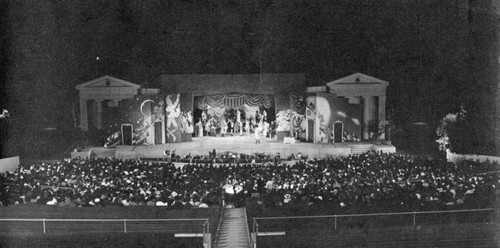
360,182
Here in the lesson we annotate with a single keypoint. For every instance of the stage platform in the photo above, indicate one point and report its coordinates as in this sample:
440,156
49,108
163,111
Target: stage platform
236,145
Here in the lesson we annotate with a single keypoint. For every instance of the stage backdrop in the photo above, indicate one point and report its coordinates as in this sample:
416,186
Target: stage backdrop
311,117
146,114
333,109
173,113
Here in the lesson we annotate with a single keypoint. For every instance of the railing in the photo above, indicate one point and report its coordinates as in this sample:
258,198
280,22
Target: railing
272,226
255,232
194,226
207,236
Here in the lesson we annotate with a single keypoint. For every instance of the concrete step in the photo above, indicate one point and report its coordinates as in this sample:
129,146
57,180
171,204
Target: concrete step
234,230
360,148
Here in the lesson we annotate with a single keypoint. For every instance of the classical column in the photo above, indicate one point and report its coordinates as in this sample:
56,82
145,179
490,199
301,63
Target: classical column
368,115
99,114
84,123
381,114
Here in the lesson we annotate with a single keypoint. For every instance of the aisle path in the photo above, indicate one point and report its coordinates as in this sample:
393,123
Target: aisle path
234,229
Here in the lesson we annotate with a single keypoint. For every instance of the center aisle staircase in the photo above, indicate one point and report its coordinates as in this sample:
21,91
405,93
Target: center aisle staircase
233,232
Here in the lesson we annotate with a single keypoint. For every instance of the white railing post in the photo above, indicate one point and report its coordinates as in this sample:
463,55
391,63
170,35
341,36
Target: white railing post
335,222
44,228
256,233
414,218
124,225
207,237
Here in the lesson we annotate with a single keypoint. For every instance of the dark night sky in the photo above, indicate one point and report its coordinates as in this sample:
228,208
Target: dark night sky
436,54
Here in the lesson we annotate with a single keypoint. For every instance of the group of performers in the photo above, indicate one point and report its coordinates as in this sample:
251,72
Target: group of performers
258,125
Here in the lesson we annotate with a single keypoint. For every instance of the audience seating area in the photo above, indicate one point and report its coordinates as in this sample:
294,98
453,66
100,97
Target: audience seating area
369,182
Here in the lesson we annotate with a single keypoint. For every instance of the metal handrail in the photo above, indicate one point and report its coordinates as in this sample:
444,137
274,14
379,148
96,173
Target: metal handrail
375,214
205,225
414,222
255,231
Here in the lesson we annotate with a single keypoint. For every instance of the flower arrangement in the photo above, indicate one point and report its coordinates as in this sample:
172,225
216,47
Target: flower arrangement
441,131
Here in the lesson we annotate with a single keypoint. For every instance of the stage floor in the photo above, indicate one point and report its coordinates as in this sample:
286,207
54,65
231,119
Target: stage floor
234,144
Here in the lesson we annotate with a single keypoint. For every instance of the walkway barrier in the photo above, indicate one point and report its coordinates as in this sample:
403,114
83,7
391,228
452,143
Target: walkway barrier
279,226
207,237
17,226
181,228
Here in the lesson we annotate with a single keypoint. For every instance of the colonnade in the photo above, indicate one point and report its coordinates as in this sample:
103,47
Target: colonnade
98,112
370,110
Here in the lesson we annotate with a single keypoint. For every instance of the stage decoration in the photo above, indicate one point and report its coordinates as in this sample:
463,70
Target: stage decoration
173,113
151,112
250,111
142,113
215,111
448,120
298,103
324,131
234,100
112,139
187,122
283,118
5,114
299,125
318,112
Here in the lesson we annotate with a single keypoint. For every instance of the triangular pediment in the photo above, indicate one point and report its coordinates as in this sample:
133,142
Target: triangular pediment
357,78
107,81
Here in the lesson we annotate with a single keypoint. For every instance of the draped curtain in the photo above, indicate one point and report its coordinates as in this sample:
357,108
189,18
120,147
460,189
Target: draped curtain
234,100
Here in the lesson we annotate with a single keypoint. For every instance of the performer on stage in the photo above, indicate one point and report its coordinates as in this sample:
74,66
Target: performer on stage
238,126
207,127
199,129
265,130
257,134
230,126
204,116
213,127
247,127
238,116
223,127
272,129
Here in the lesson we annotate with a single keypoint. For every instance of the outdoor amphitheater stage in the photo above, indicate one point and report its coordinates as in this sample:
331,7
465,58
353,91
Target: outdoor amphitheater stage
236,145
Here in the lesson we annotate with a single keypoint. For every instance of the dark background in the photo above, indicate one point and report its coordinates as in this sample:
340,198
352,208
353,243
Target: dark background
437,55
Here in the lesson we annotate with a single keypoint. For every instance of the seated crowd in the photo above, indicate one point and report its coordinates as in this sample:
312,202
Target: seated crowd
362,182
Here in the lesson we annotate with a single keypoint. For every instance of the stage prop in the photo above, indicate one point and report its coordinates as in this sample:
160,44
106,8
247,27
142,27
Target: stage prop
288,140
